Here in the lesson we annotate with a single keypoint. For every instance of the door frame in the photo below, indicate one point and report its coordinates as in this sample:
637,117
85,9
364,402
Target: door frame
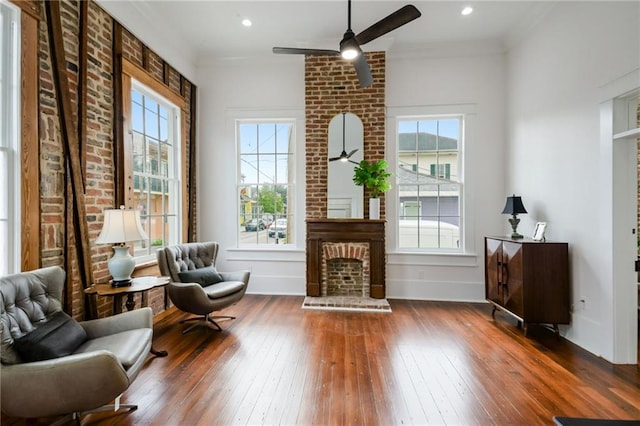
619,208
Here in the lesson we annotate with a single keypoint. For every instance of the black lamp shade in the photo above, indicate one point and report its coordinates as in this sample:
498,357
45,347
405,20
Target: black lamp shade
514,206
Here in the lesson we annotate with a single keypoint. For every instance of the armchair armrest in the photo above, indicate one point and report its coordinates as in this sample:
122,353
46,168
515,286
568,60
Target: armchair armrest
236,276
41,388
138,318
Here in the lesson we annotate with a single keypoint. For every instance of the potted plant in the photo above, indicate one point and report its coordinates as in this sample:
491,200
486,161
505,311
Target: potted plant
375,177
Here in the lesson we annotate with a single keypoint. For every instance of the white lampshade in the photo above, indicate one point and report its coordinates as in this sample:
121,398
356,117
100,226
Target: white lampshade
121,226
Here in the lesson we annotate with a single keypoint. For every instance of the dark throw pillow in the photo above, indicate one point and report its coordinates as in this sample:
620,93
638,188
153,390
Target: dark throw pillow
203,276
59,336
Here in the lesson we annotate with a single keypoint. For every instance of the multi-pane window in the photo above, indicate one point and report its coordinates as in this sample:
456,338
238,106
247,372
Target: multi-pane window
429,182
265,181
9,140
156,170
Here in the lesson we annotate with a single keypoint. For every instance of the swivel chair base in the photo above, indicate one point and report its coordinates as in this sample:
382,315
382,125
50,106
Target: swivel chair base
205,320
108,407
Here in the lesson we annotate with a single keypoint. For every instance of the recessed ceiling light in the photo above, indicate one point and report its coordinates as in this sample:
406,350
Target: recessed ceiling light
467,11
247,22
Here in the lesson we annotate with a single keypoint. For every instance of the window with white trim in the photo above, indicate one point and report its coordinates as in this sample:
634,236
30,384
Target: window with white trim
155,158
265,181
429,182
10,169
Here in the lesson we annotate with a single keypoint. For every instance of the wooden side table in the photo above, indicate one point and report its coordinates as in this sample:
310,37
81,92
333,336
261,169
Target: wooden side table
138,285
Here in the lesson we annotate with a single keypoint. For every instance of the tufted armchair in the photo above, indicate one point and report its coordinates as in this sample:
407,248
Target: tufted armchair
97,372
190,266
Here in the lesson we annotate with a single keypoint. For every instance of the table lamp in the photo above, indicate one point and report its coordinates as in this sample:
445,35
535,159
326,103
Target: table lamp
514,207
121,226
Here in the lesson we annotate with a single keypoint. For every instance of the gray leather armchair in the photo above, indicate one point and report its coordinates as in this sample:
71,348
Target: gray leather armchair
200,298
95,374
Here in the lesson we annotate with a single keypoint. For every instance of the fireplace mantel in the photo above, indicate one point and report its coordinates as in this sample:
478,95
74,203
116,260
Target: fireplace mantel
320,231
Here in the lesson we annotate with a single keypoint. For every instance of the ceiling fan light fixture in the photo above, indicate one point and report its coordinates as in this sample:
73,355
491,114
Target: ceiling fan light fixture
349,53
349,48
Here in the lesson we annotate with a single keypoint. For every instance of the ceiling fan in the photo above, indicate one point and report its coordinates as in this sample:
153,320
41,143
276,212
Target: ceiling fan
344,157
350,44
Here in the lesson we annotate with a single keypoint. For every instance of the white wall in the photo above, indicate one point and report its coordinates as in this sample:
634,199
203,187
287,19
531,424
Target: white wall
557,78
458,82
270,87
469,83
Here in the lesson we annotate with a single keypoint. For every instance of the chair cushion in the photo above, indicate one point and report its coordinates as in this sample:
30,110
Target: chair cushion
127,346
59,336
223,289
203,276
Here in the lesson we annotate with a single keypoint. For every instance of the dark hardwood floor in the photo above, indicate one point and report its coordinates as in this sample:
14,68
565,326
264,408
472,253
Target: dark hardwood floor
427,363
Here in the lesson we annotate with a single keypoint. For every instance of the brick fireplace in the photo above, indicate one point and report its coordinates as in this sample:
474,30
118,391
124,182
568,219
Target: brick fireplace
351,248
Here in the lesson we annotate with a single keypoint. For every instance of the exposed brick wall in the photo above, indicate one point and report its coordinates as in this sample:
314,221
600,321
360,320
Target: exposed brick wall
331,87
100,184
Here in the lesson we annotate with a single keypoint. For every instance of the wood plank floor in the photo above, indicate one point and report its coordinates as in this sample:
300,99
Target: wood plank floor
427,363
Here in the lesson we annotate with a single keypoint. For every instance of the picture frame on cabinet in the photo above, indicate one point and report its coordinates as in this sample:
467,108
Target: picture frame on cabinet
538,233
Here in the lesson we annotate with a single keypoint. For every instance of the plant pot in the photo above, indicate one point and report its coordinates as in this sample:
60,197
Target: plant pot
374,208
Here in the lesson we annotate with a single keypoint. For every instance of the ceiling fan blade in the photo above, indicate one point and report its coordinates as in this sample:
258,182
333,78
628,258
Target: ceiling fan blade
397,19
300,51
363,71
354,162
351,153
334,158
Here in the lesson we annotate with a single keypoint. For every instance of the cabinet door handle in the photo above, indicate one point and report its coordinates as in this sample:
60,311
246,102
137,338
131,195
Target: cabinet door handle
505,274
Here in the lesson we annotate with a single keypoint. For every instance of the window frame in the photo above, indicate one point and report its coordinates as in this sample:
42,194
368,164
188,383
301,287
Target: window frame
468,113
11,145
133,76
290,184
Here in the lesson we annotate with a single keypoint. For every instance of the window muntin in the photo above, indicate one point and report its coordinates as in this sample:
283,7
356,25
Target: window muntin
156,173
265,181
10,169
429,183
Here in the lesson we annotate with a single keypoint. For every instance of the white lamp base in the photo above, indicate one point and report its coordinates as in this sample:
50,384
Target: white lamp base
121,266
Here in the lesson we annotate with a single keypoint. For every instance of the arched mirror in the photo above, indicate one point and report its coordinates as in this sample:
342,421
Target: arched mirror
344,198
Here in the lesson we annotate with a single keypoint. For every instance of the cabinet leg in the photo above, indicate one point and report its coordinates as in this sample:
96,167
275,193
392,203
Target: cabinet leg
493,312
556,329
524,328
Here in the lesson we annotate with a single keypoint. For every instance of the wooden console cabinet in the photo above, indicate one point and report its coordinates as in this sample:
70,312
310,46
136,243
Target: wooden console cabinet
528,279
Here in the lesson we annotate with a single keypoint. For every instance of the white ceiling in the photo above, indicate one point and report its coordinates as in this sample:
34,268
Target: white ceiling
207,30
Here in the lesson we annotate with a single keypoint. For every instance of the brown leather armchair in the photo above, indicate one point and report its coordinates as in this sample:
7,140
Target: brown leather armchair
96,373
185,264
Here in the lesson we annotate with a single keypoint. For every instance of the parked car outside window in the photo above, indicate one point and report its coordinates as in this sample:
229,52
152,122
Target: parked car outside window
279,227
255,225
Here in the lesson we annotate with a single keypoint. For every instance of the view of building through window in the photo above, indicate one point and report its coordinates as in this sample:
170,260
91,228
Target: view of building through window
429,184
265,181
156,171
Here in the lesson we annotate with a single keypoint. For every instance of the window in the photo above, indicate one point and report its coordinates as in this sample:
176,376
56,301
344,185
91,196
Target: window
429,182
155,162
10,170
265,181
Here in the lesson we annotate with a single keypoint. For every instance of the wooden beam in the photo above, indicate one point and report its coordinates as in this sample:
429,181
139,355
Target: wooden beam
145,57
82,86
166,74
71,148
191,196
30,145
118,117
